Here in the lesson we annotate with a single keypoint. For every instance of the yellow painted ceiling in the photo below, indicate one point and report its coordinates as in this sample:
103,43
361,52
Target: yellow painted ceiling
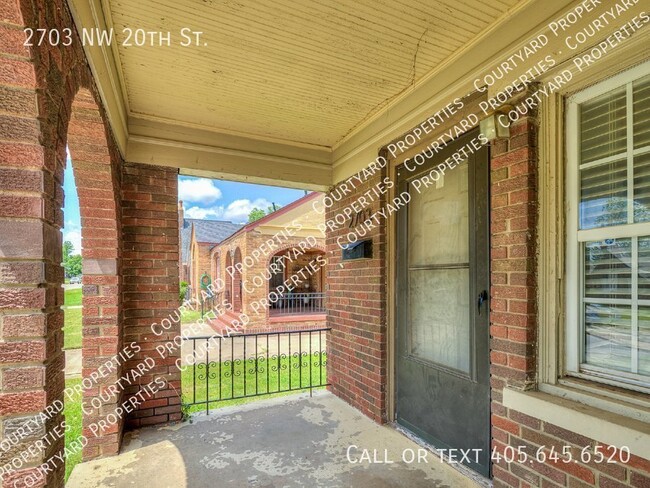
303,71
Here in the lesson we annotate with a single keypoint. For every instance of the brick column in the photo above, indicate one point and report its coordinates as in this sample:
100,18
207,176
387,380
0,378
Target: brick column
356,312
31,170
97,171
513,280
150,234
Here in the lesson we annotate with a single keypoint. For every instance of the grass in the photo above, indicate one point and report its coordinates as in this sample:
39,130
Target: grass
190,316
72,328
72,297
232,385
72,319
72,412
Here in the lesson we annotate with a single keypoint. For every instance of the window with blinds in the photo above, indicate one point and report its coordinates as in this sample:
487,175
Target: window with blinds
612,235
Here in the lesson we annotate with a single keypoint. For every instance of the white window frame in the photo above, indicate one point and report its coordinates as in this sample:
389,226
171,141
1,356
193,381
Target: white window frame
574,324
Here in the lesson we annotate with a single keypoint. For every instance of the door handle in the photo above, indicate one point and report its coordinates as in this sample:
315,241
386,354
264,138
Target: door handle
482,297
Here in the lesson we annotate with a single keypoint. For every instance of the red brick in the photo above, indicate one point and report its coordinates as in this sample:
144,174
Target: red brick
639,481
24,402
23,378
14,326
19,351
19,206
20,155
639,463
16,72
605,482
505,424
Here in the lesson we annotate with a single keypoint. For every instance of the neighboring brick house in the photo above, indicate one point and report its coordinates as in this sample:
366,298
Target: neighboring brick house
254,263
198,237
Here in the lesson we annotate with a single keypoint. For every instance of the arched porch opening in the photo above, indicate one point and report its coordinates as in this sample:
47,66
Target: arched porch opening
97,177
228,291
237,282
290,266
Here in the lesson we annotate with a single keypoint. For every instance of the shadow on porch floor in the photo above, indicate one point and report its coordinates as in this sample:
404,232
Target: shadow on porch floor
293,441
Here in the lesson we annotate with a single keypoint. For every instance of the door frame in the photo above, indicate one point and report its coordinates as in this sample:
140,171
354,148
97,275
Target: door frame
391,263
471,104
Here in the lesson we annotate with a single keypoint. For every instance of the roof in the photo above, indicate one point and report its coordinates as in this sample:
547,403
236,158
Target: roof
208,231
281,211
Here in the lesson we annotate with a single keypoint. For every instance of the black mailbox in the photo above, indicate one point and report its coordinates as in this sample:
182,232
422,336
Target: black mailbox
358,250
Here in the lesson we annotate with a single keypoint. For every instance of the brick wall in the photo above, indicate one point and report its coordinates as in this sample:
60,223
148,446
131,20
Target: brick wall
37,89
252,240
513,330
224,249
357,315
97,170
201,263
150,234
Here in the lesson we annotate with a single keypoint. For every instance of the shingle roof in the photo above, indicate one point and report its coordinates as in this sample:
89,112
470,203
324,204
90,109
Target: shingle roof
210,231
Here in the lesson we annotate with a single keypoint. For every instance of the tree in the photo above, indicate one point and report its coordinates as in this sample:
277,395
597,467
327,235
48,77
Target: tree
68,247
74,265
71,263
256,214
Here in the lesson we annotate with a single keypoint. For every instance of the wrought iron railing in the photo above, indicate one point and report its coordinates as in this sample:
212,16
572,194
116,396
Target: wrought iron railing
210,301
220,368
298,303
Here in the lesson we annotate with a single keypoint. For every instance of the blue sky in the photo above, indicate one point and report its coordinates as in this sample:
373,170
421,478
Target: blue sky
202,199
72,222
225,200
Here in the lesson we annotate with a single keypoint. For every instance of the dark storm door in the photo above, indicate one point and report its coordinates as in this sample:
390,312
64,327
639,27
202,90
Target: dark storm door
442,356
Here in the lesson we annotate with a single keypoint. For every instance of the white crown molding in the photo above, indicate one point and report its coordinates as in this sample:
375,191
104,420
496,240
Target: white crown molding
208,151
231,164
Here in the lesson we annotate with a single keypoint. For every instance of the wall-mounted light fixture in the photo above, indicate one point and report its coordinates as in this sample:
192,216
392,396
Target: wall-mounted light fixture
496,125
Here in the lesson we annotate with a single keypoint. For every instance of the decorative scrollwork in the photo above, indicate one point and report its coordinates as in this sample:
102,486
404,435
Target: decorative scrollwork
283,361
237,371
213,370
261,362
215,379
295,364
201,371
274,362
304,362
227,367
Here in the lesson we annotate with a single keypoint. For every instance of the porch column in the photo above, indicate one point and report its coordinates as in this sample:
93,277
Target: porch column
356,312
31,171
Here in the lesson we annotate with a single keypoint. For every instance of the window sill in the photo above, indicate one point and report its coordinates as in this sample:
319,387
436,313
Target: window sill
613,422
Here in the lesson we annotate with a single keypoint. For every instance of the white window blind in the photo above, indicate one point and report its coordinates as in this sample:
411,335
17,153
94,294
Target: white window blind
610,154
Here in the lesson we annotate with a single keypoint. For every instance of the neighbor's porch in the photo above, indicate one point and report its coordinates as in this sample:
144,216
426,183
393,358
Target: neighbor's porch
290,441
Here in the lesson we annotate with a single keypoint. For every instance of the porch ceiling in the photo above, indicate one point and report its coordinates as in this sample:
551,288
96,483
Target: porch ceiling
282,91
306,72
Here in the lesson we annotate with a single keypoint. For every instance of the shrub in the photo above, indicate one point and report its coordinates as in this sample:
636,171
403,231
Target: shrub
183,290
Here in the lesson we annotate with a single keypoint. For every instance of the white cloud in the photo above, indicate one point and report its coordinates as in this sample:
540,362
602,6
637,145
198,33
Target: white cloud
73,236
199,190
214,213
237,211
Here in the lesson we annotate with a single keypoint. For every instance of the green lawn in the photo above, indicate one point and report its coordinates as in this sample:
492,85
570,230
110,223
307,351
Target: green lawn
72,328
232,380
72,297
190,316
72,412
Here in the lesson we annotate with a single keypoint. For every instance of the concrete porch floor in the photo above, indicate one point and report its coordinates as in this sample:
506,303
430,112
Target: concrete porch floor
293,441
